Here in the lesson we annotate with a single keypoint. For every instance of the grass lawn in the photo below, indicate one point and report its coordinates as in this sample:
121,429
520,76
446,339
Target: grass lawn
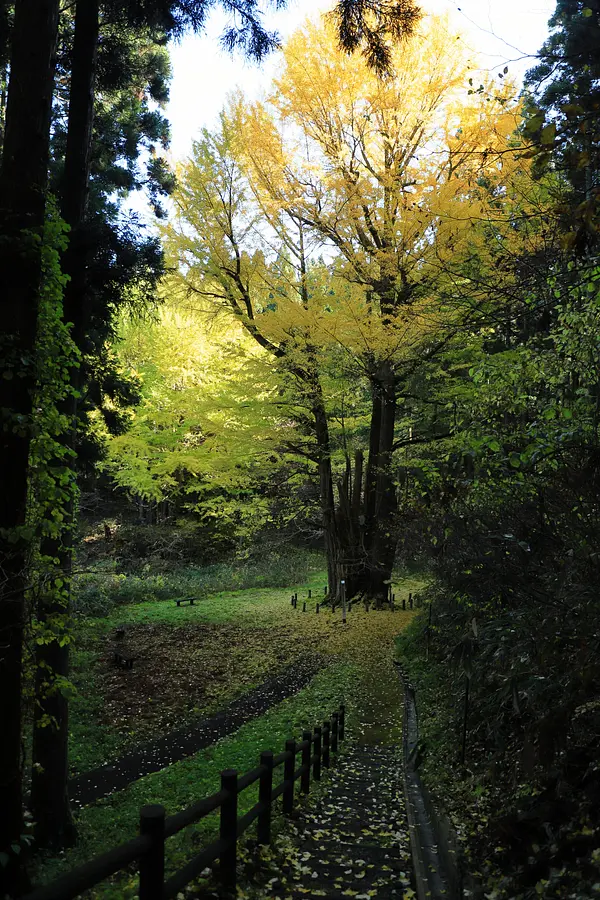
192,661
252,633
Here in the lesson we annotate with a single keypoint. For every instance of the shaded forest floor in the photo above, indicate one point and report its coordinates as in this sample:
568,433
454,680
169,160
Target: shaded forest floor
524,831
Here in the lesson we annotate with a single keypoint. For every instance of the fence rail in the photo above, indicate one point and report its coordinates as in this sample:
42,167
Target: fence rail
148,849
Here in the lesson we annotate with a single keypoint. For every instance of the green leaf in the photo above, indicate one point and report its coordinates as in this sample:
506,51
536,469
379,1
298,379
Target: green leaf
548,133
586,12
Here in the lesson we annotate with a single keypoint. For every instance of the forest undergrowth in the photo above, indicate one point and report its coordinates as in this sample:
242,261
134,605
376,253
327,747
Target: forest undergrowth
522,794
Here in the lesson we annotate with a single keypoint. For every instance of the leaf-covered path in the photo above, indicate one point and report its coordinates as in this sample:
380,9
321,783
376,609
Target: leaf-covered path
155,755
354,841
351,839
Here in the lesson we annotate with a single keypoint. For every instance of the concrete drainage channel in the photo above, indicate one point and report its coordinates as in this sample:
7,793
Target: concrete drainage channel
439,874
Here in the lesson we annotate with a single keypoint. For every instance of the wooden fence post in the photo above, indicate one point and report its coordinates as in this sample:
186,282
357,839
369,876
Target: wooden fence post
152,863
304,606
334,732
265,790
404,603
410,600
326,759
317,607
228,829
342,722
309,593
288,777
306,757
317,761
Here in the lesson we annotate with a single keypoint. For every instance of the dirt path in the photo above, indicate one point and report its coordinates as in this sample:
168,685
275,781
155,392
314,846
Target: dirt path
155,755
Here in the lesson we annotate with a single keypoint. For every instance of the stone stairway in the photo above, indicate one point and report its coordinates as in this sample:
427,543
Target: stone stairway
351,842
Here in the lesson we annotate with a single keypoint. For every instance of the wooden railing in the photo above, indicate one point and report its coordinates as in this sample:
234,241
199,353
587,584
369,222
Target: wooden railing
148,850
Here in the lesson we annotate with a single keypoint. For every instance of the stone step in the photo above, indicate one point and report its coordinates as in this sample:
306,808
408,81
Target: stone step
350,843
352,851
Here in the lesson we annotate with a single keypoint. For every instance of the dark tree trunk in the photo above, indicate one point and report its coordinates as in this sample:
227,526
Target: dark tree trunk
326,494
23,182
365,516
381,540
49,797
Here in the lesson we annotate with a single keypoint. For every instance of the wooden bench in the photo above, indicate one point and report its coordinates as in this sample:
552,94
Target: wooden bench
184,600
124,660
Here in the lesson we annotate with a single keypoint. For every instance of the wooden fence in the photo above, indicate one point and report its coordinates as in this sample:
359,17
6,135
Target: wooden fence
148,850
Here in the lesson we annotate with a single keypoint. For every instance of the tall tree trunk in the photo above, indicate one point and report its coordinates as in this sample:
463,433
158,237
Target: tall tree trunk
383,502
332,544
369,534
23,183
49,797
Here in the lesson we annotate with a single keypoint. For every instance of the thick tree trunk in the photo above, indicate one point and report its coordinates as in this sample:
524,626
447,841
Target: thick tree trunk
23,182
326,494
49,797
366,522
381,541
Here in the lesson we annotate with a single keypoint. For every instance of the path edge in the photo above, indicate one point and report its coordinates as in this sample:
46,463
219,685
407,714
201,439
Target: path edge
436,855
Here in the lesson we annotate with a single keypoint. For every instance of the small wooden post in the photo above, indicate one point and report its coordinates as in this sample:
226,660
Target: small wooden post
292,600
317,759
296,597
343,586
265,790
334,732
309,593
410,601
152,863
288,777
404,603
326,758
342,722
325,591
317,607
349,605
304,606
228,829
306,756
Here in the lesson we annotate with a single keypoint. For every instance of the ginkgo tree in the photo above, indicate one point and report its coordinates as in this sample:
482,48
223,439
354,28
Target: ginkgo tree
400,189
203,436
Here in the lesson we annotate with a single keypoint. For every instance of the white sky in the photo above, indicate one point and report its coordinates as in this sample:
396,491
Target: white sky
502,32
